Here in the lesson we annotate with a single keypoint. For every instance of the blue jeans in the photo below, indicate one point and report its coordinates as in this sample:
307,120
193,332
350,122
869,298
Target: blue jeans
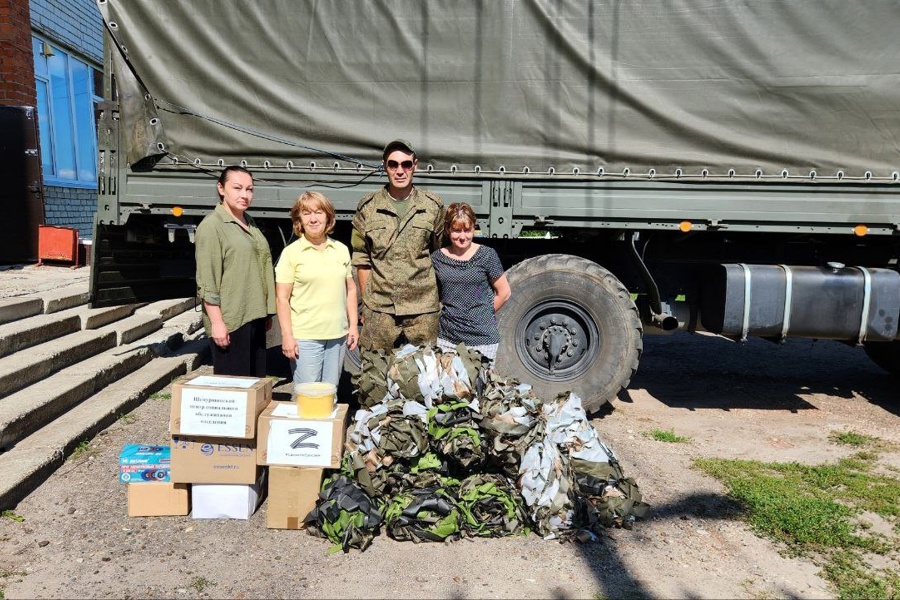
319,360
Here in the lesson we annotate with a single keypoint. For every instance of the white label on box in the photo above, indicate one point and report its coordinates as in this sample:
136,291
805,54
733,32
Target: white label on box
213,412
301,443
290,410
213,381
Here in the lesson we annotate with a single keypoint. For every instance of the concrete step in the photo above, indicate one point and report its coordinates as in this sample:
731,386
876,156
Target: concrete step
35,330
28,366
24,411
27,464
95,318
66,298
21,307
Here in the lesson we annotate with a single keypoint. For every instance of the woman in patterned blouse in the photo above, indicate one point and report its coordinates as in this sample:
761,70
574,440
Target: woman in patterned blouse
472,285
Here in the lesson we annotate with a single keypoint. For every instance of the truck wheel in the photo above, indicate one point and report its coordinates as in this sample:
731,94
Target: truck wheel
886,355
580,313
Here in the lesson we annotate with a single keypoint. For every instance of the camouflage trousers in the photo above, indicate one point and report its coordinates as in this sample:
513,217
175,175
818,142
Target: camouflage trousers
385,331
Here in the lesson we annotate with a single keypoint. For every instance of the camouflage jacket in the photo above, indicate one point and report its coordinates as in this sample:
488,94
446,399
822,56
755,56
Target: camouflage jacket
397,250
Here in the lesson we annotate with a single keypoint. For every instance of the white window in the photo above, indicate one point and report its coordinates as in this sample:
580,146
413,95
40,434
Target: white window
68,90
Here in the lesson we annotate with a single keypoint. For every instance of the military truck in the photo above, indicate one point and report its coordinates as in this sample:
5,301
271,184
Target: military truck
646,166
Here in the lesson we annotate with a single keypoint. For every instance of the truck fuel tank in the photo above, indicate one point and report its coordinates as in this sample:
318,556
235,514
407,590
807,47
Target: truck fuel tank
833,302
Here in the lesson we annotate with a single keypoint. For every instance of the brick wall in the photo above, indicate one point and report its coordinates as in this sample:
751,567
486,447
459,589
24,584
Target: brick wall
17,86
75,24
71,207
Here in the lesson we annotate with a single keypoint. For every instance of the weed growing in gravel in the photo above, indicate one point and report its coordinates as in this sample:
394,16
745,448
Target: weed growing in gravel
127,419
161,396
11,514
199,584
666,435
80,450
4,575
816,512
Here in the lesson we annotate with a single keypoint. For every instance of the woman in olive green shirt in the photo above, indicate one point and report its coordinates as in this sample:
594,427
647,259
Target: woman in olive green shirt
235,279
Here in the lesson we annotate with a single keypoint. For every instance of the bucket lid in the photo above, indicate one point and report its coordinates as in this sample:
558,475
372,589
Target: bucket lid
315,388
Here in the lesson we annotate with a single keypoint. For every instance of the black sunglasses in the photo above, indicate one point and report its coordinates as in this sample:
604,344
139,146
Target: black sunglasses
406,164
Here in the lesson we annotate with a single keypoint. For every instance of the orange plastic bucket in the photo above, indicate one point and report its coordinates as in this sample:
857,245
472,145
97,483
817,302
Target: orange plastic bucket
315,400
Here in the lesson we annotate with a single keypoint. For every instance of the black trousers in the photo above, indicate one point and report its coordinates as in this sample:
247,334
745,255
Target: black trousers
246,355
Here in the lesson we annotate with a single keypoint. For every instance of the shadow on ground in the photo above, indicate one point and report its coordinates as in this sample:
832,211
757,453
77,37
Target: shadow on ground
707,372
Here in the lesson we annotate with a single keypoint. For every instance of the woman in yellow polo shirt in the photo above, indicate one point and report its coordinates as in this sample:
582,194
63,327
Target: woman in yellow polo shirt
315,296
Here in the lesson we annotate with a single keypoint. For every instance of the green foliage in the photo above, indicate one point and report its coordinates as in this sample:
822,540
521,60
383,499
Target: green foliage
199,584
850,438
80,450
666,435
11,514
127,419
812,510
161,396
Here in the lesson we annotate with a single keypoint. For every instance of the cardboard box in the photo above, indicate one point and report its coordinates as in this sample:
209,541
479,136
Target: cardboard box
227,501
213,460
293,492
218,405
158,499
290,441
144,463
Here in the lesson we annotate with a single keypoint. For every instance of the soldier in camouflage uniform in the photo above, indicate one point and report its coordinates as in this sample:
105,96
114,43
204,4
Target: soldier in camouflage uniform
394,232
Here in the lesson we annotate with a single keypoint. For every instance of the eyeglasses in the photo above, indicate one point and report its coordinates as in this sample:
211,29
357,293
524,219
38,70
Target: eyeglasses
406,165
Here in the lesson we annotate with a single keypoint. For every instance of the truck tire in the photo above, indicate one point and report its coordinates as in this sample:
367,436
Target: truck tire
578,309
886,355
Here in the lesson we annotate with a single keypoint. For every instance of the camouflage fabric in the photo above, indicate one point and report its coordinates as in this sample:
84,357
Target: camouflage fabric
545,484
489,506
454,434
422,515
511,421
397,250
605,497
402,434
345,515
384,331
526,463
370,381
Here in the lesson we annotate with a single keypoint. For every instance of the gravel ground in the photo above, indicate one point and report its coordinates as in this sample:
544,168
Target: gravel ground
756,400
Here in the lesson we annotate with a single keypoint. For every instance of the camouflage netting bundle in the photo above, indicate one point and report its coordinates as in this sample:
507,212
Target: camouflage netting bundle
490,506
454,435
423,515
511,422
345,514
443,447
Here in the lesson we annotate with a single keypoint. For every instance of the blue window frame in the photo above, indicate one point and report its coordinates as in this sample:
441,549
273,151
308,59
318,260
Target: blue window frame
68,90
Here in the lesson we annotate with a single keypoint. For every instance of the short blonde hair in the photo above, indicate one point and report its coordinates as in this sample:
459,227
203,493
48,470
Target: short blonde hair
459,213
312,201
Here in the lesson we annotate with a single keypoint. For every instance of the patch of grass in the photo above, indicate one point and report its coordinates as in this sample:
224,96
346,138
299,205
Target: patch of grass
80,450
666,435
11,514
4,575
161,396
851,438
199,584
127,419
812,510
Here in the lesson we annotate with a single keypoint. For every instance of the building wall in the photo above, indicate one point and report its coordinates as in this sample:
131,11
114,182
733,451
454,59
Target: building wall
17,86
71,207
78,26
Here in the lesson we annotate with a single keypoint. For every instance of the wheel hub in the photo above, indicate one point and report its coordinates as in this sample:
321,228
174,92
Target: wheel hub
556,338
